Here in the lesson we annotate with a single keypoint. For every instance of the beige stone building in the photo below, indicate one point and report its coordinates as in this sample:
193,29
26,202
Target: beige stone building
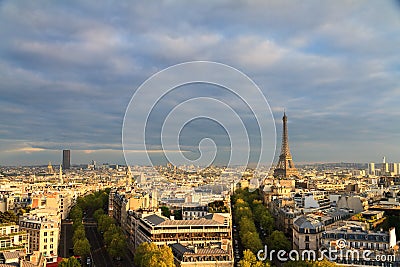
121,202
43,235
60,201
12,238
307,232
201,242
15,250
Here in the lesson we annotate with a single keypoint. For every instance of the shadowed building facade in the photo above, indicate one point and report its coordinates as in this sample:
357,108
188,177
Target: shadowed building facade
66,159
285,167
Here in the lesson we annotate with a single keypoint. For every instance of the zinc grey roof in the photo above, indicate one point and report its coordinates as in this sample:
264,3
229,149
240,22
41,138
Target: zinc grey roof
307,223
179,248
154,219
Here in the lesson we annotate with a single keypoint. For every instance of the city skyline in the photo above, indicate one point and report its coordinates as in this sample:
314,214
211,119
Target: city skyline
68,72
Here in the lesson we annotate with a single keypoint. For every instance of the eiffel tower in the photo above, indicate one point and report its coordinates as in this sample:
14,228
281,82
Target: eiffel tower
285,167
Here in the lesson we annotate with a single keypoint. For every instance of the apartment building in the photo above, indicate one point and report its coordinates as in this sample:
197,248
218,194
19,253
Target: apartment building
43,235
353,239
14,201
207,257
329,186
208,240
123,201
312,200
17,258
13,239
14,248
191,212
285,213
308,229
60,201
307,232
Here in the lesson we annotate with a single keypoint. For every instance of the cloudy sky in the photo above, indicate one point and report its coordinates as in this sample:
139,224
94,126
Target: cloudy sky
68,70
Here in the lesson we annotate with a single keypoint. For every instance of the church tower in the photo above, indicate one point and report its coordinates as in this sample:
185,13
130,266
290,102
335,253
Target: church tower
128,177
60,178
285,167
50,168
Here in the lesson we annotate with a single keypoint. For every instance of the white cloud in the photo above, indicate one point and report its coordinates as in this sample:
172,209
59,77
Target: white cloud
67,71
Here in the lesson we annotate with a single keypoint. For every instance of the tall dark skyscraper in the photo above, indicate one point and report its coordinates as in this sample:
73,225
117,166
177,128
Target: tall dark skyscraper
66,159
285,167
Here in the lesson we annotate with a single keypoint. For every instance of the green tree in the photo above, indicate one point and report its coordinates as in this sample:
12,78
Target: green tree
117,245
21,212
247,225
76,214
217,206
81,202
165,211
70,262
97,214
278,241
76,225
391,221
79,233
149,254
250,260
104,222
8,216
242,209
296,264
178,214
82,247
251,241
96,203
109,234
267,223
323,263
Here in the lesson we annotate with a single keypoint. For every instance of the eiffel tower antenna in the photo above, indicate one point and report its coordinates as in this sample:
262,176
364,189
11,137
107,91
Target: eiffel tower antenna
285,167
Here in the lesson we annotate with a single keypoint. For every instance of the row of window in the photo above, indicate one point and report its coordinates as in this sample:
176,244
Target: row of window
45,247
51,233
355,236
12,229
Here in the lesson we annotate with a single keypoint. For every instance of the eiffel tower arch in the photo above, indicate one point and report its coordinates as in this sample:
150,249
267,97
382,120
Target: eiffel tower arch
285,167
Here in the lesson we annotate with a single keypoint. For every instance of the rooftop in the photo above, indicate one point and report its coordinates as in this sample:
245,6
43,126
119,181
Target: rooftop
182,250
215,219
306,222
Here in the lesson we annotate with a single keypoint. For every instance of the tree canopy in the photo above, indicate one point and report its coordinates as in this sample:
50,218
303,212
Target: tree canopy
323,263
217,206
70,262
250,260
165,211
104,222
149,254
79,233
8,216
278,241
82,247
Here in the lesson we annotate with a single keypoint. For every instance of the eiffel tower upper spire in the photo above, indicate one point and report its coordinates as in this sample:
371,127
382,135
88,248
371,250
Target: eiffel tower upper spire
285,167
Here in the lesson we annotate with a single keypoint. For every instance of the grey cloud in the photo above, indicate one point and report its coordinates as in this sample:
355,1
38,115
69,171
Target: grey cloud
68,69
